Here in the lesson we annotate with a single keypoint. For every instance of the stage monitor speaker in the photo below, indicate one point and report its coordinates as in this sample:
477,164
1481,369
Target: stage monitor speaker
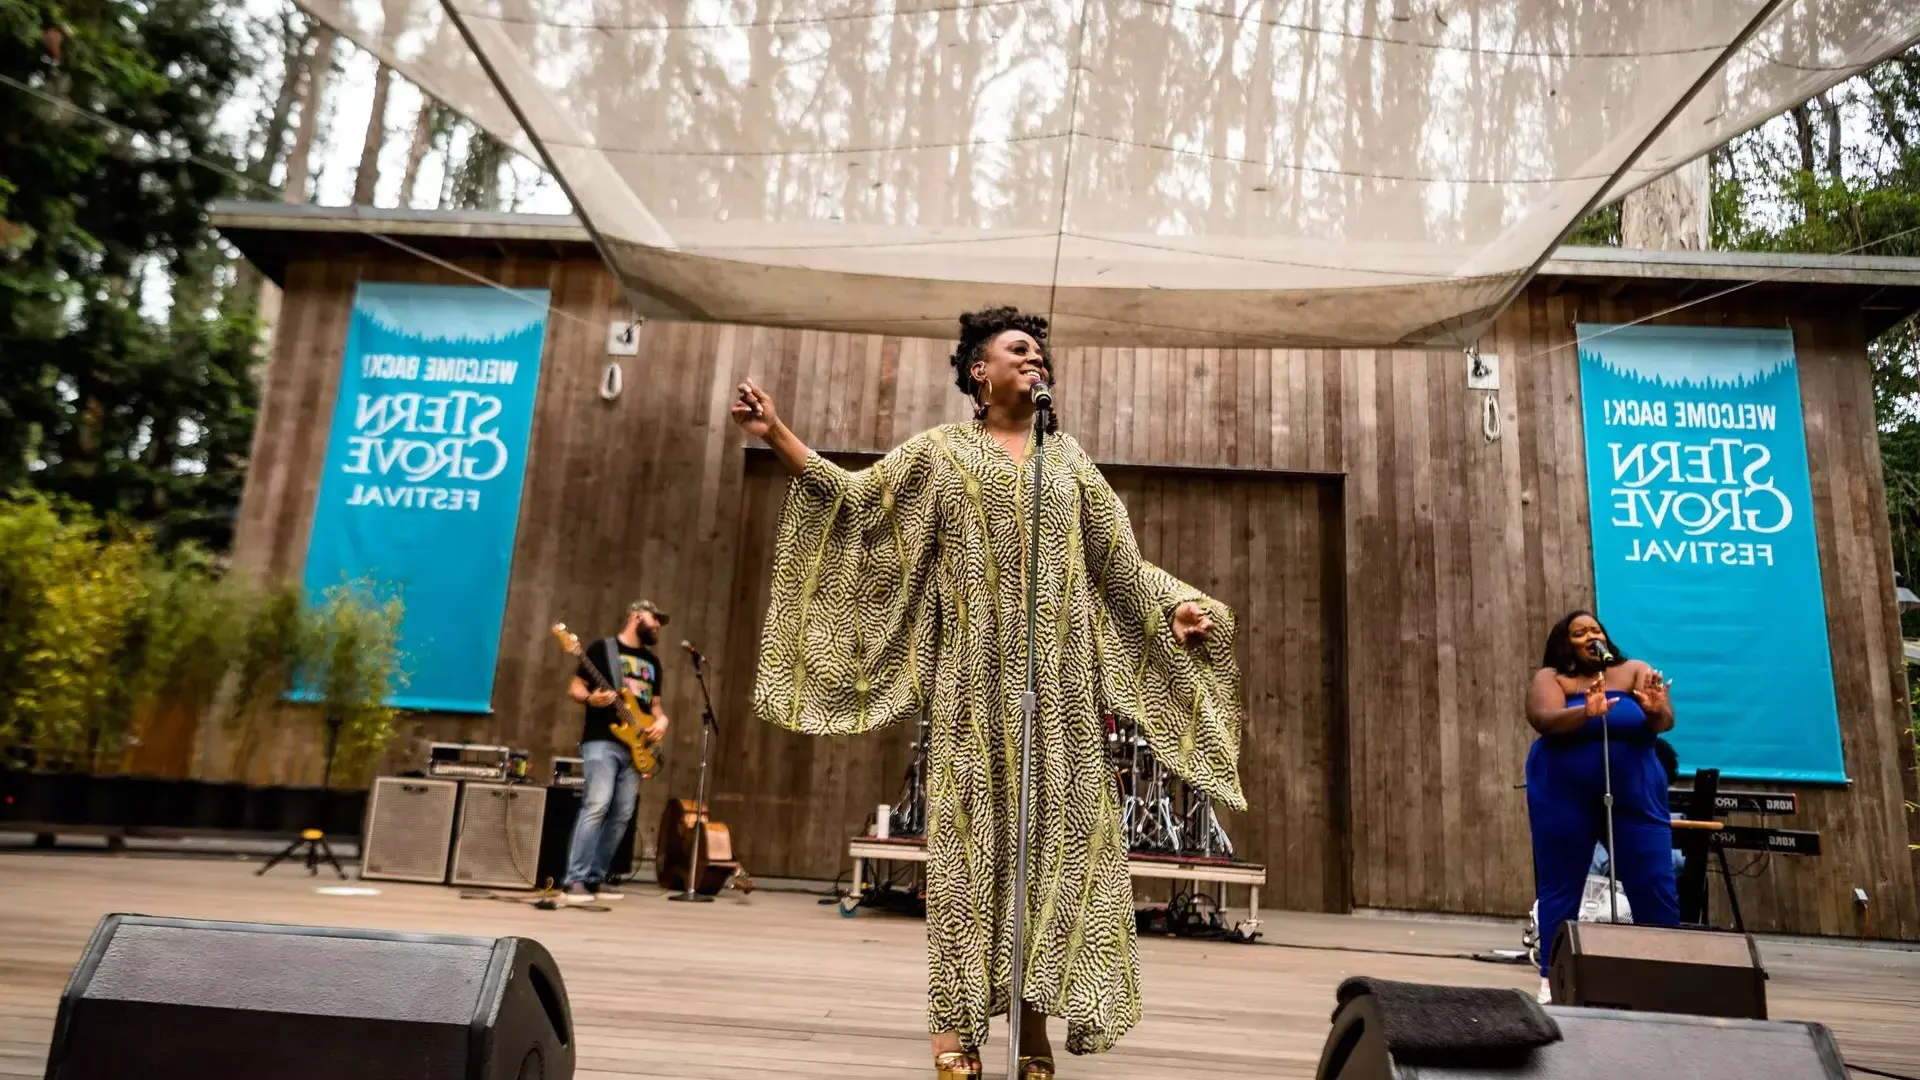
1595,1044
563,809
1656,969
173,999
409,830
497,841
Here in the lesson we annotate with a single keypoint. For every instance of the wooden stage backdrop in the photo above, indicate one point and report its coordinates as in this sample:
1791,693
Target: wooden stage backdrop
1396,571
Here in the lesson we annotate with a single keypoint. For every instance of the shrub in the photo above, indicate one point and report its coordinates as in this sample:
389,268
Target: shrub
103,638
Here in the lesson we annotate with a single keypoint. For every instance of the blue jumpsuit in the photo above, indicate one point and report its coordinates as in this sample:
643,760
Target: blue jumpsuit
1567,808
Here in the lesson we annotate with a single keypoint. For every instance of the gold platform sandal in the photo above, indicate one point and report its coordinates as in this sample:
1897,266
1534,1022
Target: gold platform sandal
957,1065
1037,1067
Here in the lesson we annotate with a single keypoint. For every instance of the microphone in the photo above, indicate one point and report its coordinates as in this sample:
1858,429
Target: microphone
691,651
1599,647
1042,395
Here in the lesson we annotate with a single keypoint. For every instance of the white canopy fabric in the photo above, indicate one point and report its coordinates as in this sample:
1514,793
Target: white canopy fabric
1196,172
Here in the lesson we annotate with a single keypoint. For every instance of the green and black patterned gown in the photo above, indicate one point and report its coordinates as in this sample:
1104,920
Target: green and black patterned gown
903,585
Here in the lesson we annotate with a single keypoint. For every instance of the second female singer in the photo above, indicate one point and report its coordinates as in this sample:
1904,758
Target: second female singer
1586,685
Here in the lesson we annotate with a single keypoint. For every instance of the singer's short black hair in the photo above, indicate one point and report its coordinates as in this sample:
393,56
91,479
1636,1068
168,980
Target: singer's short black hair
1561,656
979,328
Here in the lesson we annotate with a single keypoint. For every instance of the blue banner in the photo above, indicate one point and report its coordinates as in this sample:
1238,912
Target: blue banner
1704,558
421,492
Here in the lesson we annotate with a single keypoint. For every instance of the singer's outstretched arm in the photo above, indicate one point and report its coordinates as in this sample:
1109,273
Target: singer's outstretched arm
1547,708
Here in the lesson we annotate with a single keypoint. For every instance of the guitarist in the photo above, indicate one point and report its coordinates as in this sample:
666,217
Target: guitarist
612,783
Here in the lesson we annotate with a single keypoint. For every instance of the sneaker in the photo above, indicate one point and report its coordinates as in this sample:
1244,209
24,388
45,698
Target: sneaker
1545,996
577,893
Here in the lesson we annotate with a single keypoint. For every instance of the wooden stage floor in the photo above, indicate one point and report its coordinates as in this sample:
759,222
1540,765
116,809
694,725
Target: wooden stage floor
777,984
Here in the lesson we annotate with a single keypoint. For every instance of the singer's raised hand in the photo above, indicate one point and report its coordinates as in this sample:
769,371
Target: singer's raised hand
1597,700
753,409
1650,690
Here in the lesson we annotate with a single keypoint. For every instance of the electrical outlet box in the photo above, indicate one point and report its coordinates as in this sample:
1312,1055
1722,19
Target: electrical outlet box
1483,371
623,338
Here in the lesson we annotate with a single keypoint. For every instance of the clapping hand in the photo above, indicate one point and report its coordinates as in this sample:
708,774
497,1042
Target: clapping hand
1191,624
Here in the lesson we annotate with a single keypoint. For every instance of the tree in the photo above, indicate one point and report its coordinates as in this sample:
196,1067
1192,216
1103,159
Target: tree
476,182
369,175
319,69
137,409
1803,184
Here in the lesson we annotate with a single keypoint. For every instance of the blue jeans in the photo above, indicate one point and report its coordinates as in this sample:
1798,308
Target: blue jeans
606,806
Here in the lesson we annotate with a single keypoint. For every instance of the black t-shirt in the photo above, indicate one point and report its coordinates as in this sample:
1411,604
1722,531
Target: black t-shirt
642,671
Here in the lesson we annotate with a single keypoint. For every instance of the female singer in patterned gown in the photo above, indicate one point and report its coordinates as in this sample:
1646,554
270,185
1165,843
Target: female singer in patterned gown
904,585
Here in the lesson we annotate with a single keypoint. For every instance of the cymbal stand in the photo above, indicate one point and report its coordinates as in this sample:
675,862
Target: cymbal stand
1158,826
909,816
1205,836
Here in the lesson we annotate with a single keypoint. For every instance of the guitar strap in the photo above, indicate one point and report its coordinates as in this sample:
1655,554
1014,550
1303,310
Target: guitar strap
610,648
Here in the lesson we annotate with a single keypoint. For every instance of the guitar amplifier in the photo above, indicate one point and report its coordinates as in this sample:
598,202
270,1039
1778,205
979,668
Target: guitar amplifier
409,829
556,841
469,761
497,842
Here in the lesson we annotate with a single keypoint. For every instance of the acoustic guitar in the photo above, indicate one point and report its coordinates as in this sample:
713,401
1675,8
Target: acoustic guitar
689,834
628,727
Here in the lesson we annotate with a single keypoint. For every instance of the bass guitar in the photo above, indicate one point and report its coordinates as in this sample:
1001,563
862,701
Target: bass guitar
628,727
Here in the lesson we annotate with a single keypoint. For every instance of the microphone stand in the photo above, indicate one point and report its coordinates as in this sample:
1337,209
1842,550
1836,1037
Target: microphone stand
708,725
1606,769
1029,708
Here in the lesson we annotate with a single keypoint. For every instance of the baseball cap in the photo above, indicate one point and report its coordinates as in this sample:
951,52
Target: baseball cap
648,606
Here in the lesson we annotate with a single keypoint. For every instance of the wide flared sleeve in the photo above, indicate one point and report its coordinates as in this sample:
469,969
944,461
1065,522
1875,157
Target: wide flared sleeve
1185,699
849,636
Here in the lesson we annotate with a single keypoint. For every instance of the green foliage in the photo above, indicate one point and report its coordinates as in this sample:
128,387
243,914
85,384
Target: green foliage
1598,229
135,412
1765,201
355,669
99,629
75,592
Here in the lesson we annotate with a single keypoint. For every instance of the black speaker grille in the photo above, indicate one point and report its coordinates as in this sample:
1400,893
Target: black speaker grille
293,973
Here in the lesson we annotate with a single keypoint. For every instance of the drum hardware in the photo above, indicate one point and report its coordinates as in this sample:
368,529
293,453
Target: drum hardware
909,812
1160,814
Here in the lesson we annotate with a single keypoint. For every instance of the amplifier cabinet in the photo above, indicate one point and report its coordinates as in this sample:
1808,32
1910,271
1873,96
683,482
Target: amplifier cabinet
409,829
497,842
563,809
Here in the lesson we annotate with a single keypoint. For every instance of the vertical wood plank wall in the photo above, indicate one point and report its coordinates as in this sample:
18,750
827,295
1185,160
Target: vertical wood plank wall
1458,552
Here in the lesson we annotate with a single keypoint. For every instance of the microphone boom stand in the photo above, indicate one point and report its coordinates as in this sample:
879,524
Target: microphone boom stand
1606,770
1606,767
708,725
1029,708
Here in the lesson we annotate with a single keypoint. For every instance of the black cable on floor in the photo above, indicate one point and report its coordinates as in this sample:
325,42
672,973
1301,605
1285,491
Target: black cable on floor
1851,1067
